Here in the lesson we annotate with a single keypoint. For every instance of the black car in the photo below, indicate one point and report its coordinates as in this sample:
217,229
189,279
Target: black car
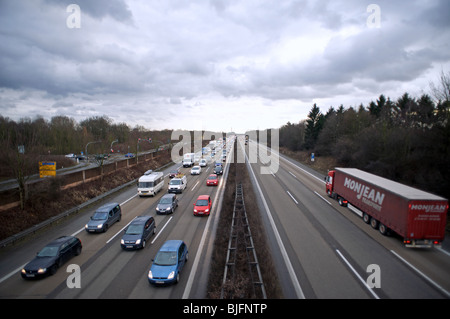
167,204
52,256
138,232
218,170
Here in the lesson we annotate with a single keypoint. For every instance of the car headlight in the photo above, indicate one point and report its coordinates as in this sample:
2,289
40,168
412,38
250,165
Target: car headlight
100,226
138,242
206,210
86,226
171,275
122,242
195,210
42,270
150,275
168,208
23,271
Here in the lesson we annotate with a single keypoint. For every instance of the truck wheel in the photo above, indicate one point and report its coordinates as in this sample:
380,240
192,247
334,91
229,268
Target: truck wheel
374,223
366,218
383,229
341,202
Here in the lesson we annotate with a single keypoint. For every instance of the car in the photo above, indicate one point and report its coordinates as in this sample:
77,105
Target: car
196,170
168,262
203,162
51,257
138,232
202,205
167,204
103,218
218,170
174,172
212,180
129,155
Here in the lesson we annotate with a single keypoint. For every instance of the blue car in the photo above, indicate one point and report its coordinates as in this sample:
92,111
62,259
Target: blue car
169,261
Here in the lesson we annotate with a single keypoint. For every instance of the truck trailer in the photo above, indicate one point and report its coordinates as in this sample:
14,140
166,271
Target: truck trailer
417,216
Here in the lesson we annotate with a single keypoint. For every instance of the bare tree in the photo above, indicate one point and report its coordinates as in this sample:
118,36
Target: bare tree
441,90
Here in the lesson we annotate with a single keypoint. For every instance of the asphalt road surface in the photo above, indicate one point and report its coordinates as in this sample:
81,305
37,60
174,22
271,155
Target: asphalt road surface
107,271
327,251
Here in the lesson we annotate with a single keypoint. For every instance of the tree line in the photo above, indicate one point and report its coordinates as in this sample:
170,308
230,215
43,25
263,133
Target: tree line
407,140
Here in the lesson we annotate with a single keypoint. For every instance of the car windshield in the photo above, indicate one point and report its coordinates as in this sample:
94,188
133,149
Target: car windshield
165,200
175,182
134,229
212,177
166,258
202,202
100,216
195,168
48,251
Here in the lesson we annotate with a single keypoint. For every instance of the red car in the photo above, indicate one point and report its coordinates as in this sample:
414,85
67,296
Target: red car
212,180
202,206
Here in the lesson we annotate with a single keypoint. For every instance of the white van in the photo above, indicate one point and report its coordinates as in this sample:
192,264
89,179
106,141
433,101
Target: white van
188,159
150,183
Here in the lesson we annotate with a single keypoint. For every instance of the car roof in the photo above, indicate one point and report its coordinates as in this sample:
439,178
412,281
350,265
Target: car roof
60,240
168,195
107,207
203,197
140,219
171,245
212,175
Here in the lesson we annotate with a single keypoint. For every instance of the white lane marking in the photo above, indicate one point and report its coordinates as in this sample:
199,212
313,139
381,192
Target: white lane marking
283,251
159,233
195,185
357,275
322,197
292,197
422,274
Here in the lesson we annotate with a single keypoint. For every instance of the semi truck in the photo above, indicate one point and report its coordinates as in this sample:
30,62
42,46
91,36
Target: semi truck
417,216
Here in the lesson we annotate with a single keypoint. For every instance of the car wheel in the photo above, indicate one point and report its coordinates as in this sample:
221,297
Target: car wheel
143,244
78,251
187,257
383,229
105,228
178,278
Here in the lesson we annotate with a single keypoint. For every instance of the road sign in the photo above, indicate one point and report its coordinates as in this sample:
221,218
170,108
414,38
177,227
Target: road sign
47,169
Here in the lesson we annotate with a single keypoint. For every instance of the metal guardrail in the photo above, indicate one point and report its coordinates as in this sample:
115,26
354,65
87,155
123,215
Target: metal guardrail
241,241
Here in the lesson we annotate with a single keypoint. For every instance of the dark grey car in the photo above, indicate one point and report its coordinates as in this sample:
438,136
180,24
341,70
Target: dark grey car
167,204
138,232
104,217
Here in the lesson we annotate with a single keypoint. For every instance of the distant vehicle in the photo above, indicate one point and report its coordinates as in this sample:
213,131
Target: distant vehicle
417,216
51,257
168,262
188,159
202,205
103,218
129,155
71,155
150,183
218,170
177,184
203,163
167,204
212,180
138,232
174,172
196,170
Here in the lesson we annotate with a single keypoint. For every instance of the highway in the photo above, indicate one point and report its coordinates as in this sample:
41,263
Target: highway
107,271
321,250
327,251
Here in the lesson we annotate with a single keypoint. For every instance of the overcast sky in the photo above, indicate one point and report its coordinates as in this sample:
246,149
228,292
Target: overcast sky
214,64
